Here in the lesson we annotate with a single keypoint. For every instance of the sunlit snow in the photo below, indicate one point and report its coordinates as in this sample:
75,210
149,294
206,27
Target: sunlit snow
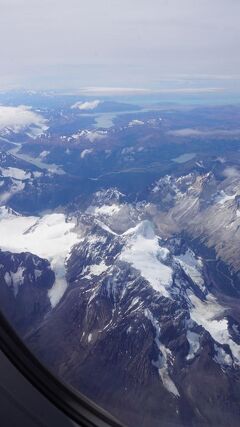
15,173
210,314
192,266
50,237
145,254
221,356
96,269
194,344
15,279
165,357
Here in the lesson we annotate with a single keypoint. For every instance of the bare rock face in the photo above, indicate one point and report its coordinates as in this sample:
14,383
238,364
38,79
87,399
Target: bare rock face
205,209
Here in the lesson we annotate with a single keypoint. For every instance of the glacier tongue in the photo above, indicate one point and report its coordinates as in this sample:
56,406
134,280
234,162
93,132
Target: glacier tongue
165,357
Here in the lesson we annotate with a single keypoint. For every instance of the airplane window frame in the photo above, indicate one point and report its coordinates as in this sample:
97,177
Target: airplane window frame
72,403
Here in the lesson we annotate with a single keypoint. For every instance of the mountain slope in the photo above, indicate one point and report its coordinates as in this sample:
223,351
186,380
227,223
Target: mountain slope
142,306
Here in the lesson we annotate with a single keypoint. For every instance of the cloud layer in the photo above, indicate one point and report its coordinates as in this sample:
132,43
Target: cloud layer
117,42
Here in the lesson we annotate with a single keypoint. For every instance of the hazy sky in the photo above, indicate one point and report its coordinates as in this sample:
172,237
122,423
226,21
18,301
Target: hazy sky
133,43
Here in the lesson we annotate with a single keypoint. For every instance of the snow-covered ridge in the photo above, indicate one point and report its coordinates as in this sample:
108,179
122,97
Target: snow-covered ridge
89,135
144,253
50,237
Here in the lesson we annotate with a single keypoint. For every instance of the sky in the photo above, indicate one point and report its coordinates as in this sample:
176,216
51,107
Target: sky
153,44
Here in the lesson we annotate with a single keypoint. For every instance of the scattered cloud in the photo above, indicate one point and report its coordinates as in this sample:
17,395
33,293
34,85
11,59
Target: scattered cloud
92,136
20,118
231,172
88,105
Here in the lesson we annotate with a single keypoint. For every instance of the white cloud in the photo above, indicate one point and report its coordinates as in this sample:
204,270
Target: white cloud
88,105
21,118
231,172
92,136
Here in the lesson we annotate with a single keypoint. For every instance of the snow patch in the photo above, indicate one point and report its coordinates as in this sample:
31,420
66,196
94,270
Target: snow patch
221,357
15,279
194,344
89,338
15,173
97,269
105,227
50,237
37,174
